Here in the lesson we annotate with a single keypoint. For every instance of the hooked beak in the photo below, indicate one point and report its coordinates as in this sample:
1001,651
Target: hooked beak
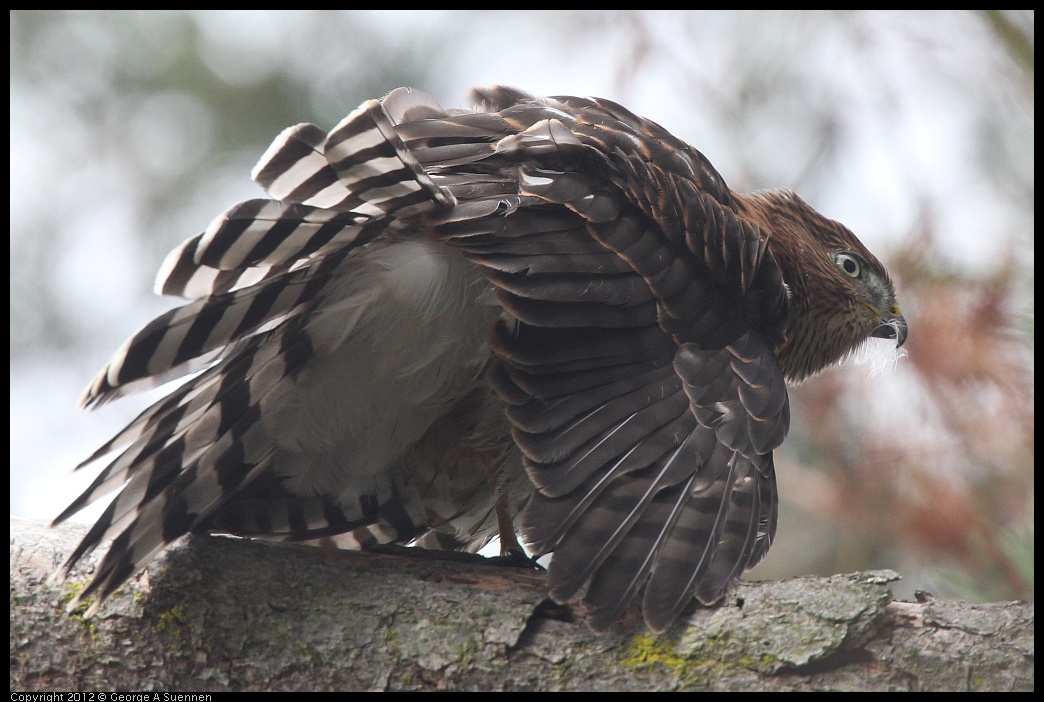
891,327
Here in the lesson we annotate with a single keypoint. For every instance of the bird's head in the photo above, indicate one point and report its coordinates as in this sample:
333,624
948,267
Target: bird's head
840,294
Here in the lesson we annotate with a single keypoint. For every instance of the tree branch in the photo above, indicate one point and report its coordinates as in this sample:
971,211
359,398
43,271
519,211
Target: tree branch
215,614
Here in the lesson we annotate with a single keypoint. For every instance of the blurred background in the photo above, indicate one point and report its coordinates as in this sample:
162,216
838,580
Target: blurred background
131,130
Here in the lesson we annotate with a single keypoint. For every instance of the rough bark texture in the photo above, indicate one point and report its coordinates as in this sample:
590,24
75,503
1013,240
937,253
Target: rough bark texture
216,614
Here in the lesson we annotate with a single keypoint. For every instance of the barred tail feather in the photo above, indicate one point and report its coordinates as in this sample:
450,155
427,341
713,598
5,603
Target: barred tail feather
160,438
372,162
185,478
189,338
295,170
256,240
270,233
361,165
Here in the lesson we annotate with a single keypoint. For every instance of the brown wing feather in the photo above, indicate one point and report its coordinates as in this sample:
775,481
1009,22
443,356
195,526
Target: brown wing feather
651,444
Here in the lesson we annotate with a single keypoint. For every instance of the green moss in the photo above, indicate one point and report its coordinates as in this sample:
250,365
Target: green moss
311,655
467,652
70,590
170,624
167,620
645,651
715,657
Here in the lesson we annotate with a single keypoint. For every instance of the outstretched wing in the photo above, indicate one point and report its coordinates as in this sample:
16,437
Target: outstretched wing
636,355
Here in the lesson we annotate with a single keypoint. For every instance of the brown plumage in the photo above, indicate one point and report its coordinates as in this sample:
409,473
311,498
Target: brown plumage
435,299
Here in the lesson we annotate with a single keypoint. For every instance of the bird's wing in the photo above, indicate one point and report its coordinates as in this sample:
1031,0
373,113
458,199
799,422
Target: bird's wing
636,350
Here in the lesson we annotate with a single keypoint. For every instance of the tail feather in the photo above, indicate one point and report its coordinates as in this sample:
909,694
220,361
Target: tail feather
269,233
256,277
189,338
181,484
373,162
159,438
295,170
257,240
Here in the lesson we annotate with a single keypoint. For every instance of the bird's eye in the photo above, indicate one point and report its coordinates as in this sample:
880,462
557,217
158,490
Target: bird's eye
848,263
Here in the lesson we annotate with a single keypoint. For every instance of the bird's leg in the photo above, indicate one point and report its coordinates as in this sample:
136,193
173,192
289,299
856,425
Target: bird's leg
509,545
505,524
511,552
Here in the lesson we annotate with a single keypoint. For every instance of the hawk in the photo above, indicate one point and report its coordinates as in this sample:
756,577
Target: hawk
540,316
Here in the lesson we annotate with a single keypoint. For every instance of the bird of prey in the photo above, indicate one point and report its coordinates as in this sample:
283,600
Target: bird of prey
540,316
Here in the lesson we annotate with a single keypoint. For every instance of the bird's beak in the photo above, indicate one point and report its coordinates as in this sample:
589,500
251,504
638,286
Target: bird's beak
891,327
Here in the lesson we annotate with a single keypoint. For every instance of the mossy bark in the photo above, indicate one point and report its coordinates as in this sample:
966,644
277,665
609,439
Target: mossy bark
216,614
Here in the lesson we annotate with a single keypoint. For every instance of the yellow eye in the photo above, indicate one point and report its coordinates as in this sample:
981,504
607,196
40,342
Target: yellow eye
850,264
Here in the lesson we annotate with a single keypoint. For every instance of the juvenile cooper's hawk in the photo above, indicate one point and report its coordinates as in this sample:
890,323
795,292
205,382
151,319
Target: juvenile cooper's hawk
543,314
